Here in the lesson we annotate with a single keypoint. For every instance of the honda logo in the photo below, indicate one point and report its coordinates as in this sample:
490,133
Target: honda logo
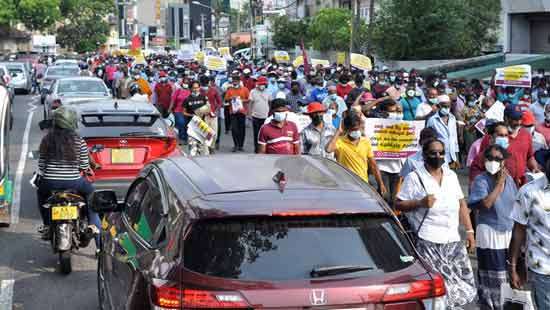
318,297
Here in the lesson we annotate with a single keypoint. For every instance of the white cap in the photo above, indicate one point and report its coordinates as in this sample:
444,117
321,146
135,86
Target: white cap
246,70
280,95
443,98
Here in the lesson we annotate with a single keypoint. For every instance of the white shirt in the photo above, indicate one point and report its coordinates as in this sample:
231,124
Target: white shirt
441,223
532,209
390,165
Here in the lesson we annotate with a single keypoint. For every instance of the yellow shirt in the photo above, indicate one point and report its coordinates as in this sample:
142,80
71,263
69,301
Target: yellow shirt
354,157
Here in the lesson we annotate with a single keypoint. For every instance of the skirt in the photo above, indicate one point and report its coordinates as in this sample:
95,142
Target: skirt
451,260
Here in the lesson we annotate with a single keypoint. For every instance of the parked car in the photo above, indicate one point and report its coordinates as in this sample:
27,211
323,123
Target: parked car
6,79
20,76
256,232
53,73
67,62
72,90
123,136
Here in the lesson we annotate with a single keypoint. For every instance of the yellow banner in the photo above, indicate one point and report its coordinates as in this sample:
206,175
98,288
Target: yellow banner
361,62
224,51
298,61
215,63
199,56
281,56
341,58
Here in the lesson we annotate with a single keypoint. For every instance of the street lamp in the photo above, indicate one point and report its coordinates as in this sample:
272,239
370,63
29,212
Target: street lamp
217,14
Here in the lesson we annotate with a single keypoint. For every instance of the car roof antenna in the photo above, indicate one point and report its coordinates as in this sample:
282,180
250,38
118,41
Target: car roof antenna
280,179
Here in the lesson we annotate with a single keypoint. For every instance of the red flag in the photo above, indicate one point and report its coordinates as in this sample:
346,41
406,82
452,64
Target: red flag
304,55
136,42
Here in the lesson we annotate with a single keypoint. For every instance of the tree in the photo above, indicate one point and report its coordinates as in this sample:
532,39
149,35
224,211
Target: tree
434,29
85,24
288,33
34,14
330,29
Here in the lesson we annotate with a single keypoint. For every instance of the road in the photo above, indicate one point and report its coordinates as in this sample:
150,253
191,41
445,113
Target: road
28,268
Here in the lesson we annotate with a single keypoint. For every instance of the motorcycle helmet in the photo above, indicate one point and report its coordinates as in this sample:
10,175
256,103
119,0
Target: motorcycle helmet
65,118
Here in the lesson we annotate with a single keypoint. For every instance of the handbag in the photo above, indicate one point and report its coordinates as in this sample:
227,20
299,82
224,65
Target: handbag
412,233
512,299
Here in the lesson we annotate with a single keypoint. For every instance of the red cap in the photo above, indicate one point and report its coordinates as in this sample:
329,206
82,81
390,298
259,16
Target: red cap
315,107
527,119
162,74
367,96
262,80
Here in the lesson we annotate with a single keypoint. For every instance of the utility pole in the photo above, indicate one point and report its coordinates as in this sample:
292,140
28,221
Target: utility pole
352,28
177,29
203,31
252,28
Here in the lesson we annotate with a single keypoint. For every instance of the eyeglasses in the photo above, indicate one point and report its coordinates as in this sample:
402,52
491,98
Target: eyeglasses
494,158
436,153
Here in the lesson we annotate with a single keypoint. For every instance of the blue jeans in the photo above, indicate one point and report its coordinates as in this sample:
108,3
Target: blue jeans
181,125
541,287
82,185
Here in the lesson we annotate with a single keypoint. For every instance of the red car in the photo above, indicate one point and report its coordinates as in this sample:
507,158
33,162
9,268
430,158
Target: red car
256,232
123,136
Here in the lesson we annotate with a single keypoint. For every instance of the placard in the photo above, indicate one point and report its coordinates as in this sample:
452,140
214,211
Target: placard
224,51
199,56
322,62
393,139
515,76
361,62
298,61
301,120
281,56
215,63
341,58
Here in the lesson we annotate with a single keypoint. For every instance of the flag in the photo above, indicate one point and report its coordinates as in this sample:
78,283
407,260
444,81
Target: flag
136,42
304,55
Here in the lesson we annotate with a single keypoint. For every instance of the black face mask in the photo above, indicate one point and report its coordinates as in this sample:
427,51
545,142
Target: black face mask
434,162
316,120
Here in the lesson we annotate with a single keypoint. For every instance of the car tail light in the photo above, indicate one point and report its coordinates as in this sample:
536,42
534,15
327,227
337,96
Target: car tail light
170,144
56,104
172,297
430,292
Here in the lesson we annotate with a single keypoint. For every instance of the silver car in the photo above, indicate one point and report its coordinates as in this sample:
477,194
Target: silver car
20,76
53,73
72,90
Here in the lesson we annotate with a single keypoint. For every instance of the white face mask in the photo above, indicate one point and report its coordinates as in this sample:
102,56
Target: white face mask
492,167
279,116
355,134
331,112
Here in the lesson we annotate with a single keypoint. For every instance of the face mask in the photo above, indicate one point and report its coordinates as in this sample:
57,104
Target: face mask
319,87
418,93
331,112
511,95
195,93
471,104
355,134
317,119
492,167
543,100
303,109
444,111
410,93
531,129
333,97
392,78
514,129
279,116
382,83
281,86
261,87
433,101
395,115
502,141
185,86
236,84
435,162
547,118
163,80
205,88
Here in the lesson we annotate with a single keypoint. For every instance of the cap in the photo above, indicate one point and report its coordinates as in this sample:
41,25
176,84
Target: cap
261,81
246,71
443,98
513,111
368,96
315,107
281,80
528,119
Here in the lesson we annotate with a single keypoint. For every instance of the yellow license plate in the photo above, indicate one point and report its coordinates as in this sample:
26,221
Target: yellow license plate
64,213
2,190
122,156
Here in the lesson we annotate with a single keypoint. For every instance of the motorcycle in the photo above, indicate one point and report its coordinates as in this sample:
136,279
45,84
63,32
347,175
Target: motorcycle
69,229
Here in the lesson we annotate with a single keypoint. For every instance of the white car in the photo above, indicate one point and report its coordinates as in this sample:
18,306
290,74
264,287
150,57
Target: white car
20,76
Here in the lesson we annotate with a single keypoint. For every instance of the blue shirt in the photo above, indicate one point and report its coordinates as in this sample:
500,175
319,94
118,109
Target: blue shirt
318,94
499,215
447,134
409,106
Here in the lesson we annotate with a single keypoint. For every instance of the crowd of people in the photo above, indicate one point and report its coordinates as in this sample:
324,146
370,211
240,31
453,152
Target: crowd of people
498,136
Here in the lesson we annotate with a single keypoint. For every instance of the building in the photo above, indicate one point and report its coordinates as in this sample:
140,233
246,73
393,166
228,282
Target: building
307,8
525,26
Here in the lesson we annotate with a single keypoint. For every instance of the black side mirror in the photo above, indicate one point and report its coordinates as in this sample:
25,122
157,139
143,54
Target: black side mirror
105,201
45,124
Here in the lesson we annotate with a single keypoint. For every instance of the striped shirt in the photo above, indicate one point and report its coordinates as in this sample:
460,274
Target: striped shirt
53,169
279,140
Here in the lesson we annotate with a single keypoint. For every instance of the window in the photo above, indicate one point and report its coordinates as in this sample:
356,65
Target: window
153,209
134,201
281,249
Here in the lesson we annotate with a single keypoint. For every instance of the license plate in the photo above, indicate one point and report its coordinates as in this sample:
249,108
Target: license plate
64,213
122,156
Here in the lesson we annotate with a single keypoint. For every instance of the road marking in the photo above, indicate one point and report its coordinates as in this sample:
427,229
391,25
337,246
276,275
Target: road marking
6,294
16,202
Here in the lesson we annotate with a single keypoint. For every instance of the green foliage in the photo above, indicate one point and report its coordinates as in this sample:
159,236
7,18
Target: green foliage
85,24
434,29
7,12
34,14
288,33
330,29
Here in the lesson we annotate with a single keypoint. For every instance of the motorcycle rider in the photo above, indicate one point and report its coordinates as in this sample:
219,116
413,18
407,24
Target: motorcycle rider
63,158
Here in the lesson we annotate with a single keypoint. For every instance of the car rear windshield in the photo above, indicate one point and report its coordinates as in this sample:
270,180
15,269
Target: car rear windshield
81,86
292,248
62,72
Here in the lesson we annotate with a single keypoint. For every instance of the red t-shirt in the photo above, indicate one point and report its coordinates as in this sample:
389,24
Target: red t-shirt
249,83
214,99
343,90
520,149
179,97
164,94
545,131
279,140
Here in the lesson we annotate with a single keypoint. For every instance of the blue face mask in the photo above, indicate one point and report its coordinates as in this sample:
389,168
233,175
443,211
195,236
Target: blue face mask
502,141
543,100
333,97
444,111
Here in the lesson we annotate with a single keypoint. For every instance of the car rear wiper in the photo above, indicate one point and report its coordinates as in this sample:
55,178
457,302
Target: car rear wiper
336,270
140,133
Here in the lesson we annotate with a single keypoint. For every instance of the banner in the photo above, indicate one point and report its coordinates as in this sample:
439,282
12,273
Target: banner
199,130
215,63
361,62
224,51
393,139
322,62
515,76
281,56
199,56
298,61
341,58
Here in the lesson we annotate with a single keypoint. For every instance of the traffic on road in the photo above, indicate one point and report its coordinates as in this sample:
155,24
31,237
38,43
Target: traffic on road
133,181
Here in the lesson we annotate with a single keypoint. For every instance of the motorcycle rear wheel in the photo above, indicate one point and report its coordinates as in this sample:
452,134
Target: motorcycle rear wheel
65,264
